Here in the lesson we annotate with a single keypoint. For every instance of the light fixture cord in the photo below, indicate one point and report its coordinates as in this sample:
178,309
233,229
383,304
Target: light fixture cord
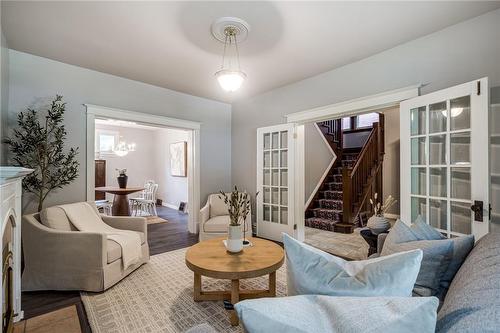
224,53
237,53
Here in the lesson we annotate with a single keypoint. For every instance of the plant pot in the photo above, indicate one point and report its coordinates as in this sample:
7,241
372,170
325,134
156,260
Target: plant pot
122,181
378,224
234,243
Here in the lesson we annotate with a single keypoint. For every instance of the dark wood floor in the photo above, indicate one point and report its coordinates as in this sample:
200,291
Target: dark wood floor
162,237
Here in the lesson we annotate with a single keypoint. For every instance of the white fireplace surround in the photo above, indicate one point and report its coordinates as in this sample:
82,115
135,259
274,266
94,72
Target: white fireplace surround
11,193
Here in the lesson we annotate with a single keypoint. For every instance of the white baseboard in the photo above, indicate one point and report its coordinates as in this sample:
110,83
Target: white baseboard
392,216
165,204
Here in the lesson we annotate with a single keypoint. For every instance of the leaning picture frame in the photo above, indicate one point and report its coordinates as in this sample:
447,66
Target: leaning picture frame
178,159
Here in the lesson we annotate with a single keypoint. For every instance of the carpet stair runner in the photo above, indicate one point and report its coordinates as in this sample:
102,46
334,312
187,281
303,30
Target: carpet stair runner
327,208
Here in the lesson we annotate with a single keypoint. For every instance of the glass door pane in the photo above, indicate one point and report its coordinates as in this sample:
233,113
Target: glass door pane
275,151
440,162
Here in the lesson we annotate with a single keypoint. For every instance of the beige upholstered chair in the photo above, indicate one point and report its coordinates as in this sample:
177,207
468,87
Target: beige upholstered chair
214,219
59,257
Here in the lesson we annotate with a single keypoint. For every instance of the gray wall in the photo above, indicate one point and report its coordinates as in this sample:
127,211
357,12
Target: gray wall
174,189
390,169
457,54
315,168
4,88
35,80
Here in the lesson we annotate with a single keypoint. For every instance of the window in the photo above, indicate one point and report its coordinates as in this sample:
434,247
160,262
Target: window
366,120
346,123
105,141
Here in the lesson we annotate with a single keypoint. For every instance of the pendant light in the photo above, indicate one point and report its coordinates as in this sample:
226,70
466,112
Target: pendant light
123,148
230,31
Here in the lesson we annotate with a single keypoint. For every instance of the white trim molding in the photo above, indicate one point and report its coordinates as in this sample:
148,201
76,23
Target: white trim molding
355,106
141,117
96,112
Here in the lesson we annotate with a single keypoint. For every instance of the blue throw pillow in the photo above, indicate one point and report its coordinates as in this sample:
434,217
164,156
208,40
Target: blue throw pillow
328,314
423,231
442,257
312,271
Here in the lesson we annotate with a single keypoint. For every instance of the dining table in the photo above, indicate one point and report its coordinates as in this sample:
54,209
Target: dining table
120,201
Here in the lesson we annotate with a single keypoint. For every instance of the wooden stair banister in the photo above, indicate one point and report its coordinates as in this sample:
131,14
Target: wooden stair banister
357,182
341,198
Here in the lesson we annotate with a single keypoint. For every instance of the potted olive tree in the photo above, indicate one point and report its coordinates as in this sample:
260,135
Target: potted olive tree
38,143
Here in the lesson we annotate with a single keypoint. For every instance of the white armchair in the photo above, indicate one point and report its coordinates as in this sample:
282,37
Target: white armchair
214,219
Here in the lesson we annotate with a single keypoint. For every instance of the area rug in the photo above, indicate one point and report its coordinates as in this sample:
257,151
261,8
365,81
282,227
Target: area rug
154,220
348,246
158,297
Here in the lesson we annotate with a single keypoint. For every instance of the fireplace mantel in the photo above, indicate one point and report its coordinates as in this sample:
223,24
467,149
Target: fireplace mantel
10,212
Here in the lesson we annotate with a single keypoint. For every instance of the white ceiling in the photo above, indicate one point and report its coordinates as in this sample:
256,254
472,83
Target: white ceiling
169,44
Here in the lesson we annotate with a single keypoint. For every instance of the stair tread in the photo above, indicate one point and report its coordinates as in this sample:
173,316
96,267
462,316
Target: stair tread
327,209
318,219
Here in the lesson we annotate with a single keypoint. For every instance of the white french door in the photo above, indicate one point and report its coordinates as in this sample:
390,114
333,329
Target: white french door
276,166
445,159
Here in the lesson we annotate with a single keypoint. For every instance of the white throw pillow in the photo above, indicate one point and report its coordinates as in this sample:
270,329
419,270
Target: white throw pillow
328,314
312,271
217,206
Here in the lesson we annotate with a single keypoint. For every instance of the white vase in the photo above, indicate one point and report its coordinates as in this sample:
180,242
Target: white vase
378,224
234,241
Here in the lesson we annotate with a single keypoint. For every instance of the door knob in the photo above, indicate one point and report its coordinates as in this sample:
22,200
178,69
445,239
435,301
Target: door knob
477,208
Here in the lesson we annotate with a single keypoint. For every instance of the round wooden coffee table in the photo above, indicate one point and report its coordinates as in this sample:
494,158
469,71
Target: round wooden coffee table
210,258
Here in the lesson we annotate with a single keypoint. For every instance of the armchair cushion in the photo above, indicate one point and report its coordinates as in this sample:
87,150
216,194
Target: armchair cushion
55,218
217,224
217,206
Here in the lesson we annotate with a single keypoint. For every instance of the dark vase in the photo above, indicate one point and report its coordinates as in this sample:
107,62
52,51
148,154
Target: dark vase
122,181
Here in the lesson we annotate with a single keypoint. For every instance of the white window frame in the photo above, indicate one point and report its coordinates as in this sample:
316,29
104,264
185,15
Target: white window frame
98,134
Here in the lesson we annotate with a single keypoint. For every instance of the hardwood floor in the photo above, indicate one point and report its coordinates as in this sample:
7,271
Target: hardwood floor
162,237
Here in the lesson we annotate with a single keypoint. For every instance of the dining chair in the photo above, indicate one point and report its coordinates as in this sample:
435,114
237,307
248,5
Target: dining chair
134,202
147,202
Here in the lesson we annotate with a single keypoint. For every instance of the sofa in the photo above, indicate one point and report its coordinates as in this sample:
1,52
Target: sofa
214,219
472,303
59,257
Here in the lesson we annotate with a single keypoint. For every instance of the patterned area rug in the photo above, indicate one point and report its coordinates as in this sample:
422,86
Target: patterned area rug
158,297
349,246
154,220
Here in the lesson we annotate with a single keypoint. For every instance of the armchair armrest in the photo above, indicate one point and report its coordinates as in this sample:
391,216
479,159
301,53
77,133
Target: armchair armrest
134,223
57,250
204,214
380,241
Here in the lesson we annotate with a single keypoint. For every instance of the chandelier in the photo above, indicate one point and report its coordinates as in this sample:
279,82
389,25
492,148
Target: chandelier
123,148
230,31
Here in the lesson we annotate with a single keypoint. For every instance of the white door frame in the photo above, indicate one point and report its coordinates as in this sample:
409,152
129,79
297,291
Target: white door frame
478,90
193,165
348,108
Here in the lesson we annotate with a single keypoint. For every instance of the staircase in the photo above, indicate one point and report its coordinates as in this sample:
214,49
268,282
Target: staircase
356,174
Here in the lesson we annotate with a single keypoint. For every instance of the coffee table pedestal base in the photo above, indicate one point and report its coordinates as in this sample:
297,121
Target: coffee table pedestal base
234,295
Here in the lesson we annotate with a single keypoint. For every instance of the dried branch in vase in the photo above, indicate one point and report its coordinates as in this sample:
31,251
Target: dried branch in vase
380,209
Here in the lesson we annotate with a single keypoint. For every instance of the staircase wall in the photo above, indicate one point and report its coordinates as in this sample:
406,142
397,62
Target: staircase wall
318,161
390,183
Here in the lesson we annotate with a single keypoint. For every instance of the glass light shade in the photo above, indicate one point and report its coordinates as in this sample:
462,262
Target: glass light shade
122,148
121,153
230,80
